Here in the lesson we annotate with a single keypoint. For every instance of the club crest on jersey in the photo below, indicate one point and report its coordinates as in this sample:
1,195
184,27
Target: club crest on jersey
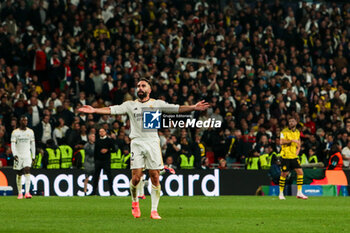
151,119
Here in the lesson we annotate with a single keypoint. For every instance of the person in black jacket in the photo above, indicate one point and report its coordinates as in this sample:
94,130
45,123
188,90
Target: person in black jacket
103,148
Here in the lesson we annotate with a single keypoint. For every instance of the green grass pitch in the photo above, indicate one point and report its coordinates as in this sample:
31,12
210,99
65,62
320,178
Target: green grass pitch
180,214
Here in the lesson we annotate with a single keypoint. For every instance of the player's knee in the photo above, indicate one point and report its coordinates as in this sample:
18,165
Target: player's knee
154,176
26,170
155,179
300,172
284,174
135,180
154,173
155,182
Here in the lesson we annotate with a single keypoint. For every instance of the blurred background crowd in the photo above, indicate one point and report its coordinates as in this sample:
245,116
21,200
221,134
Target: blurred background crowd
255,62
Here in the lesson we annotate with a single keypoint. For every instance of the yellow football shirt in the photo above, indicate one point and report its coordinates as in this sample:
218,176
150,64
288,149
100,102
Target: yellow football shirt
290,151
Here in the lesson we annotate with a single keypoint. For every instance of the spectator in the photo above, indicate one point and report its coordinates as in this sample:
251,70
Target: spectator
59,132
275,171
222,164
89,164
235,146
312,158
170,162
205,163
36,113
173,148
66,112
73,136
7,155
83,135
219,143
186,159
346,155
55,100
336,160
43,130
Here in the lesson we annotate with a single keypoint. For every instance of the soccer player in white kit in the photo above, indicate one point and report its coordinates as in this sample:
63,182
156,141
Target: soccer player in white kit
23,150
145,146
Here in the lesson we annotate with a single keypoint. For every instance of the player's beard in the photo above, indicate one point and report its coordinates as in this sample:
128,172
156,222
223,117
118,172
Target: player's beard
142,94
292,127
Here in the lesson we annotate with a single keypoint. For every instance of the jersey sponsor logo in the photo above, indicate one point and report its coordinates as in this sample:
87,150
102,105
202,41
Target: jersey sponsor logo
22,140
138,116
151,119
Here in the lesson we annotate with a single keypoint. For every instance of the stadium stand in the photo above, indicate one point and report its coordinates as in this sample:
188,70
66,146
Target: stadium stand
255,62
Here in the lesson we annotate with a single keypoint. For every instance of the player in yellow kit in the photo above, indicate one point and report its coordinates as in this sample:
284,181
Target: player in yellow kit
290,141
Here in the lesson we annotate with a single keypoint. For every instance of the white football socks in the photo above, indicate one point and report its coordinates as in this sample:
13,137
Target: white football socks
133,191
27,182
19,183
155,196
141,188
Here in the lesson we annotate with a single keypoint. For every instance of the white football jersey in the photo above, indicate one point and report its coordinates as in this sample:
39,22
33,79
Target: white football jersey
23,143
134,111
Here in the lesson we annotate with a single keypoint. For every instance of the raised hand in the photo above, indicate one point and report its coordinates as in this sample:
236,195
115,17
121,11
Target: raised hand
86,109
201,106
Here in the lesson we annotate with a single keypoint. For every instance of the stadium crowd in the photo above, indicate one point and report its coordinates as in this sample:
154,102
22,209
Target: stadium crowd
255,63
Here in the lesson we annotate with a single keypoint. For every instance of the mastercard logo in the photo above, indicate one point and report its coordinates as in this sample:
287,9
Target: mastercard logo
3,179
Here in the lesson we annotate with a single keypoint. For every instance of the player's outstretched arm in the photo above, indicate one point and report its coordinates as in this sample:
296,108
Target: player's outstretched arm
90,109
200,106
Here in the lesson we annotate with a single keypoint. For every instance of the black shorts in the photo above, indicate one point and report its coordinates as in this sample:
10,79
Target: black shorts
289,164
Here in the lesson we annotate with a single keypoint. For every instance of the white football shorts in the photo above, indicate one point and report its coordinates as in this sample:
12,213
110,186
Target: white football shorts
22,163
146,153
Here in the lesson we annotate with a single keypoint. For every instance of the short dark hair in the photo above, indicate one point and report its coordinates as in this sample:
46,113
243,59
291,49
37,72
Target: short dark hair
146,80
292,117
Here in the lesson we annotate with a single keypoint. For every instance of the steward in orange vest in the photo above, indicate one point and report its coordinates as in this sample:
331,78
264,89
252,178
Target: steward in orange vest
335,162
